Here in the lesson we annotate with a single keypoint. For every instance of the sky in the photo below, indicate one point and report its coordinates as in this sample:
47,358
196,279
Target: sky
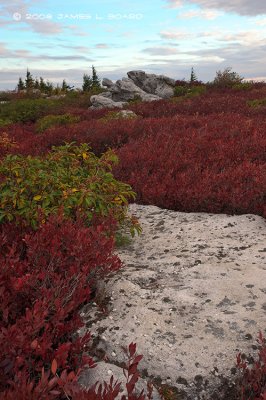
59,39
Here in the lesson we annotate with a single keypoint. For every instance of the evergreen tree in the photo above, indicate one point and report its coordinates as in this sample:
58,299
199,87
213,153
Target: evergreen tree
49,87
95,79
42,85
87,83
65,87
29,81
21,85
36,84
193,77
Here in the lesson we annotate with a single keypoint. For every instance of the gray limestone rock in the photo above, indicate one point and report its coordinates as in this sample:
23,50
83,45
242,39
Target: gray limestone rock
125,90
159,85
107,82
126,114
191,295
138,85
105,101
104,371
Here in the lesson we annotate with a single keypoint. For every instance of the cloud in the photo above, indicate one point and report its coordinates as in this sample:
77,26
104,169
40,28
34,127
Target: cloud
77,31
174,35
246,38
45,27
82,49
261,22
160,51
29,56
203,14
3,50
102,46
17,13
174,3
241,7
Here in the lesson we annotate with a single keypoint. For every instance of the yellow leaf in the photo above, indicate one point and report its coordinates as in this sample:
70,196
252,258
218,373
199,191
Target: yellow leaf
37,198
74,190
84,155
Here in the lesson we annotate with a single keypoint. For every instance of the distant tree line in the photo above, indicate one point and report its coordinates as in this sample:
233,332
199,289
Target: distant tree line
31,84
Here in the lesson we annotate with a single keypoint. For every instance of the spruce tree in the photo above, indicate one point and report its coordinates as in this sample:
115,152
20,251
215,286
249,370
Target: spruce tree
42,84
87,83
64,86
36,84
95,79
21,85
193,77
29,81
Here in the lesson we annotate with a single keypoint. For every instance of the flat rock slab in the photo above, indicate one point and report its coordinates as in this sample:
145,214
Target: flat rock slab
192,294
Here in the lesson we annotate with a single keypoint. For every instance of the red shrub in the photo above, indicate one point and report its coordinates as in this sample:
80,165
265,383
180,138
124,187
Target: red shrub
53,385
253,382
199,164
45,277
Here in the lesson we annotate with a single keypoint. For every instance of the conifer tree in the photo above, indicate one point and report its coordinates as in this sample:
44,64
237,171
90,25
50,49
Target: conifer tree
95,79
193,77
87,83
36,84
65,87
21,85
42,84
29,81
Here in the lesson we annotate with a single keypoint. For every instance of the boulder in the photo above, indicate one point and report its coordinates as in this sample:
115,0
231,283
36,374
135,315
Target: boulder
191,295
101,101
125,90
159,85
125,114
104,371
138,85
107,82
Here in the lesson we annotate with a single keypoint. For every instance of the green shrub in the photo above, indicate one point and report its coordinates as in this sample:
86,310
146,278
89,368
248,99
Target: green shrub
181,91
55,120
4,122
226,79
70,178
5,96
27,110
196,90
77,98
256,103
136,99
190,90
242,86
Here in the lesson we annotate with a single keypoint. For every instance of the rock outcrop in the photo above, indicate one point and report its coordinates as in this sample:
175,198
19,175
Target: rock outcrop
138,85
191,295
159,85
104,100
